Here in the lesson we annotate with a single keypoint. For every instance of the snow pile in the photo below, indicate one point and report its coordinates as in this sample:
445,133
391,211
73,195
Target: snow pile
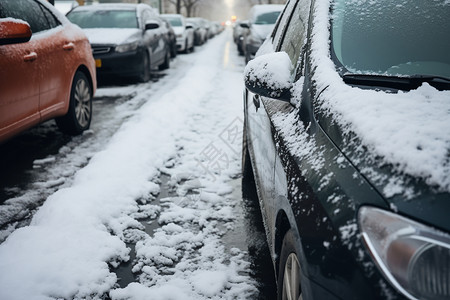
78,236
407,130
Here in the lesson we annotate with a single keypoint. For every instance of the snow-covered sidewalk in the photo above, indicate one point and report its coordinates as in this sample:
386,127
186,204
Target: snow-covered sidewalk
190,130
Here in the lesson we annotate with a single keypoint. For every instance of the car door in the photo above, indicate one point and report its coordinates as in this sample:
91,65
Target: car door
259,113
289,36
20,74
55,55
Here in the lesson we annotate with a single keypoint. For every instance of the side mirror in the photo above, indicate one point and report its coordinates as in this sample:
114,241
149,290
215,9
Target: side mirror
14,32
269,75
151,25
245,25
189,26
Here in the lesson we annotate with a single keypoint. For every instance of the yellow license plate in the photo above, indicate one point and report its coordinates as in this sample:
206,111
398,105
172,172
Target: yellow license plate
98,63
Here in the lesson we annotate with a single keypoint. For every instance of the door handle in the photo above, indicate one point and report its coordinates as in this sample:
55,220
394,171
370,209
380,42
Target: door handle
69,46
256,102
30,57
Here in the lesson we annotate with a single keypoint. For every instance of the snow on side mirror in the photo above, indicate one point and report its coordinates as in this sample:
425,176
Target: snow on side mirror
269,75
14,31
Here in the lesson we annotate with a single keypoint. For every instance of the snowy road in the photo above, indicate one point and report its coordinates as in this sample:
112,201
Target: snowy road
149,205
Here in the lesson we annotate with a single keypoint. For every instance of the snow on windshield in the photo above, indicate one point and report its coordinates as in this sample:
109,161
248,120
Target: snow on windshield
408,130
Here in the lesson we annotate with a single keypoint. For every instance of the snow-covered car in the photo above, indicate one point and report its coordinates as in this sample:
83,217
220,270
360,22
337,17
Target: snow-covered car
239,32
261,21
46,69
347,111
184,32
200,30
127,39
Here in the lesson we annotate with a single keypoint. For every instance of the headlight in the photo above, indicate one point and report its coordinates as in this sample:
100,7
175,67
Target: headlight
127,47
415,258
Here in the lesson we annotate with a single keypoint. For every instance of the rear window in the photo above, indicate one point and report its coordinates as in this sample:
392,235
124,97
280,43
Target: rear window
267,18
174,21
392,37
104,18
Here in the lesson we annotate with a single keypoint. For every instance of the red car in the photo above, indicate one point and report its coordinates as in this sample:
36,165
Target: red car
46,69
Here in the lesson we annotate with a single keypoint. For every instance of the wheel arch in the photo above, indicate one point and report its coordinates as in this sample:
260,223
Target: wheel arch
85,70
282,226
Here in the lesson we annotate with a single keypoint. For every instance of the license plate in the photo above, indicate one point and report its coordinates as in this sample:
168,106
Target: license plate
98,63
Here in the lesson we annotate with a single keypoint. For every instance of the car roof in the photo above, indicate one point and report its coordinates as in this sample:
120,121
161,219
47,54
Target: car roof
264,8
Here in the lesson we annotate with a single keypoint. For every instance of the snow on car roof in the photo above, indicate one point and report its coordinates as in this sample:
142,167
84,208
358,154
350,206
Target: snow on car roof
408,130
264,8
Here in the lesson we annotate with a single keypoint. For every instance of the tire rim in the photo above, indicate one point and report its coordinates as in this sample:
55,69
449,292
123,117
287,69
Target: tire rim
291,279
82,103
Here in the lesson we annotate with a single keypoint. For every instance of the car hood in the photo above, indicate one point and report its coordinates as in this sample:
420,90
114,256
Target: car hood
262,31
178,30
111,36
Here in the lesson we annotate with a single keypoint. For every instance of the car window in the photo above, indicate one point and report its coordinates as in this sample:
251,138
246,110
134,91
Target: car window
295,35
387,38
102,18
281,24
27,10
52,21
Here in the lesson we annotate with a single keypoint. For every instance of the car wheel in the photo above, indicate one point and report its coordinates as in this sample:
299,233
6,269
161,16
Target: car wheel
79,115
166,63
144,76
289,270
246,165
173,50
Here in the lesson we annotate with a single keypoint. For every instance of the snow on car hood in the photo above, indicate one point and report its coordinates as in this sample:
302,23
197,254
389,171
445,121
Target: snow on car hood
178,30
407,130
262,31
115,36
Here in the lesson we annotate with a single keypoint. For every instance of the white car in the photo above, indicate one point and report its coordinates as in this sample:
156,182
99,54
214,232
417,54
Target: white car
261,21
183,31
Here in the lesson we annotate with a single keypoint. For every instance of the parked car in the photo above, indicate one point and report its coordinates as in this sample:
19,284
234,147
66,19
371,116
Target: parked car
127,39
239,32
200,31
261,21
347,110
184,32
46,69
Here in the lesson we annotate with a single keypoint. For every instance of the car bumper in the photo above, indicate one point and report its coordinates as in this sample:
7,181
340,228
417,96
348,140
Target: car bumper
181,44
119,64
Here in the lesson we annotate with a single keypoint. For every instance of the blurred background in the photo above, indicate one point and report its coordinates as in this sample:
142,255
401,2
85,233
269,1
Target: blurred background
215,10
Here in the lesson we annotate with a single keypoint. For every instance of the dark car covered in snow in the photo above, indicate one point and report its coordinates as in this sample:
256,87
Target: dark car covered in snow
347,111
126,39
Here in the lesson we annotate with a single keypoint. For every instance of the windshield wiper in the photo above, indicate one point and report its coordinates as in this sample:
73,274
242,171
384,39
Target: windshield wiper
406,83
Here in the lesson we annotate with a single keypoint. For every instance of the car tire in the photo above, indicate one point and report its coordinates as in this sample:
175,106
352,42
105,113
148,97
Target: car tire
246,164
186,48
144,76
289,272
166,64
79,114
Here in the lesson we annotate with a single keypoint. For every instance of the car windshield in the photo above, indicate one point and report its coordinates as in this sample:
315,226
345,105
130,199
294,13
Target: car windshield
176,22
267,18
104,18
398,38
